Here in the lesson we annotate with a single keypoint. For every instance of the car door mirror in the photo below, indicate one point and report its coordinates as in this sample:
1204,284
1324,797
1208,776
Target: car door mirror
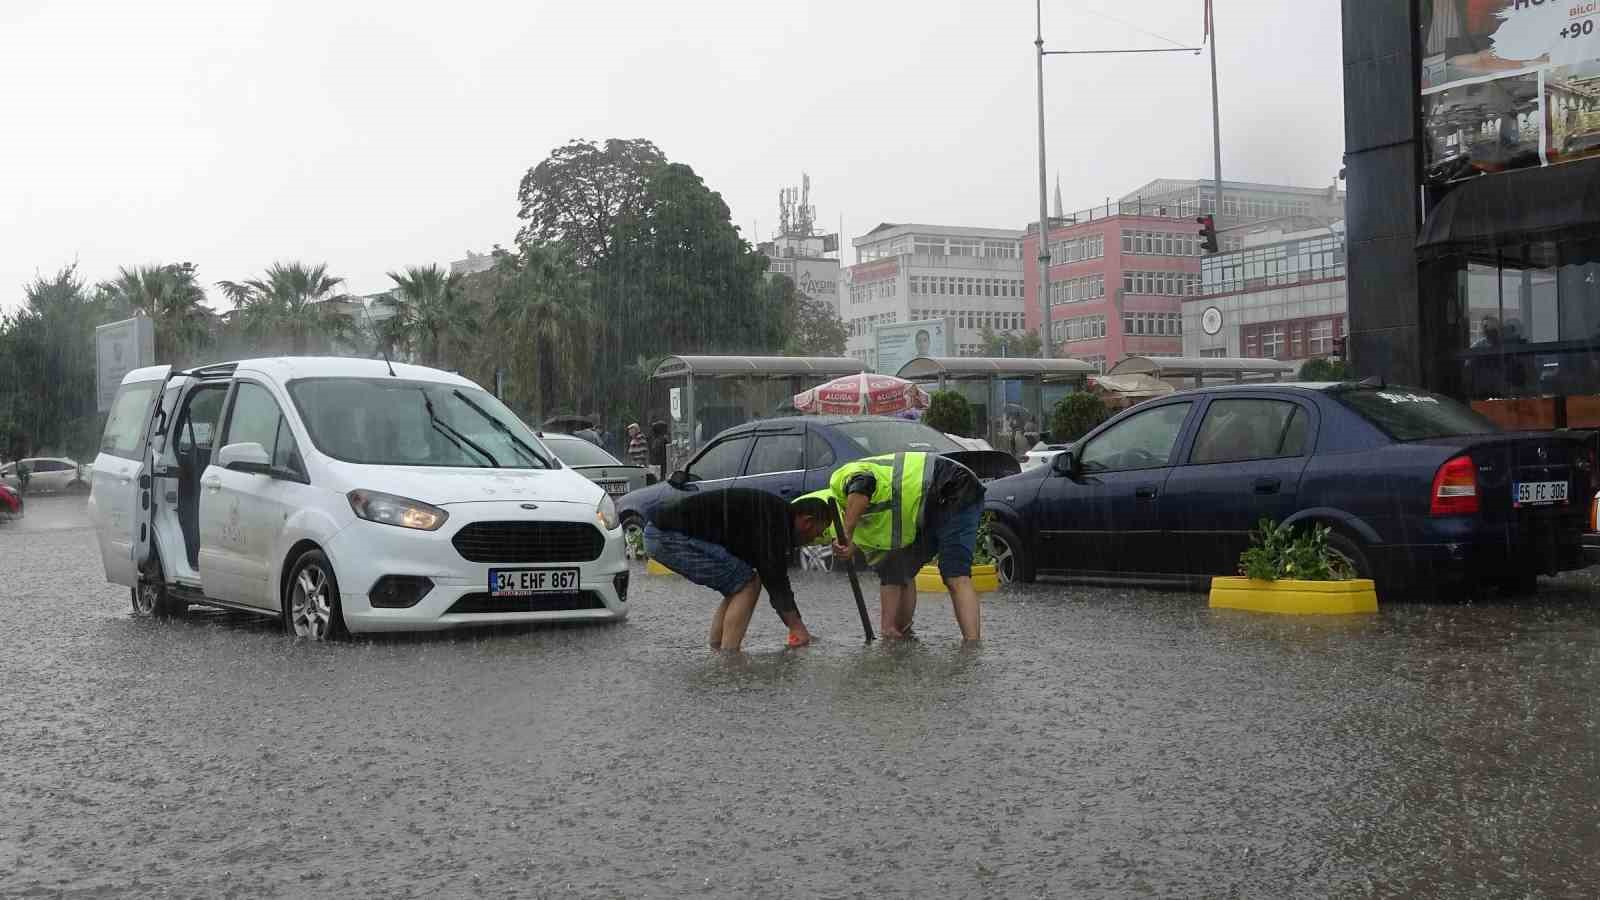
1065,464
245,457
679,478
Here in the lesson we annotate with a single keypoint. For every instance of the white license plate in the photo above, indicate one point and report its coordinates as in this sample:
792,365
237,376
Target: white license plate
615,488
1538,493
526,582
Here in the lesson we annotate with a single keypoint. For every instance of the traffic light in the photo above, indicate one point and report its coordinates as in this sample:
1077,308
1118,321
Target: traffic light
1208,233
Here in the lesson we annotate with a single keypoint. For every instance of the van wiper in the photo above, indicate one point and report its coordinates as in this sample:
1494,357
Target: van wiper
461,441
501,427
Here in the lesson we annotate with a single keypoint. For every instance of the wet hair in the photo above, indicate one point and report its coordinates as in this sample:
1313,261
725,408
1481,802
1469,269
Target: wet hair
811,507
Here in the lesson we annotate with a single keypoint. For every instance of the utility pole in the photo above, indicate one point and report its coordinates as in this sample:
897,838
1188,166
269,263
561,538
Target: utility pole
1044,210
1216,112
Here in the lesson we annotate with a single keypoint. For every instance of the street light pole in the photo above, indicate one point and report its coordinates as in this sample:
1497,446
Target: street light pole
1044,209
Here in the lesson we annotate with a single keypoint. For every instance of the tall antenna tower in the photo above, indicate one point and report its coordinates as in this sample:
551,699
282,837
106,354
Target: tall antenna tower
796,216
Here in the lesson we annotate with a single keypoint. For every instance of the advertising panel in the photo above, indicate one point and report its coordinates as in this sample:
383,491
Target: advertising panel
119,348
817,278
900,344
1508,84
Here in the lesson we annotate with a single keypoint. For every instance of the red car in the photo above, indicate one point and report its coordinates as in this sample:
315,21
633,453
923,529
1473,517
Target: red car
10,503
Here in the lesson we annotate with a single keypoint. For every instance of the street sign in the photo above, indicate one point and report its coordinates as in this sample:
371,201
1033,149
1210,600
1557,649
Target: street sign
119,348
676,395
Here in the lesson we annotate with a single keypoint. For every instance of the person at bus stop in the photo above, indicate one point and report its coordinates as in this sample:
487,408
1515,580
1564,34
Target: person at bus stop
659,439
902,510
638,447
736,542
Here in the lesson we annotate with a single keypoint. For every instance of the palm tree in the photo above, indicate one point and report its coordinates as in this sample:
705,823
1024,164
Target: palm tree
430,312
172,298
293,301
542,307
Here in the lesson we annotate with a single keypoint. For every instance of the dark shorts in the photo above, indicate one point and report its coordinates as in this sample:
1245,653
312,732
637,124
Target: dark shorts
953,540
702,562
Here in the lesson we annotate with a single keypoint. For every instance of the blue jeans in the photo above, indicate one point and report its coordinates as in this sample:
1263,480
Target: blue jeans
953,539
702,562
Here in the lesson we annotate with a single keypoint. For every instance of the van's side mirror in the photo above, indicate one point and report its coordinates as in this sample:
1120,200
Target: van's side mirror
1065,464
245,457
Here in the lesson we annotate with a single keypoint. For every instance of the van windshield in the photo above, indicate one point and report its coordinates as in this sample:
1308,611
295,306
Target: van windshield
395,422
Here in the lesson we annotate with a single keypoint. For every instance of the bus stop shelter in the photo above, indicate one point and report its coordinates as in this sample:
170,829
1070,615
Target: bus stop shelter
1192,371
707,394
984,382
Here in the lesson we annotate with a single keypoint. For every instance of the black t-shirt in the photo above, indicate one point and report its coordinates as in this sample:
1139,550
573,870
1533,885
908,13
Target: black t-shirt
755,526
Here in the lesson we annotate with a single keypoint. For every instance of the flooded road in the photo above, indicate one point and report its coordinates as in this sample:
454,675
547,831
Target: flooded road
1102,742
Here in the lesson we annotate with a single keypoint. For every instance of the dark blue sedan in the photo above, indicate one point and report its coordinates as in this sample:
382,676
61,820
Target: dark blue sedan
794,456
1418,489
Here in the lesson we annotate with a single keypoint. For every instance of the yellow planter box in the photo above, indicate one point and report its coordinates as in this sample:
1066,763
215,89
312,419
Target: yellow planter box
1295,598
654,568
984,578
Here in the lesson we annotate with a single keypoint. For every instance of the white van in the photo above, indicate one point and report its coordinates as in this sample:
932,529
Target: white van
346,495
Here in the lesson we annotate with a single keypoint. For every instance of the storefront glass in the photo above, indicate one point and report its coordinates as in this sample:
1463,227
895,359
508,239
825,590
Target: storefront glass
1524,338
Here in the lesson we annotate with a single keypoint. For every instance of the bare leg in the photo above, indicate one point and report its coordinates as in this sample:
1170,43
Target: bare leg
964,602
741,606
889,611
716,623
908,607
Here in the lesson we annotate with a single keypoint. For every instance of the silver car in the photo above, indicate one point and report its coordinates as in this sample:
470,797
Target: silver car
592,462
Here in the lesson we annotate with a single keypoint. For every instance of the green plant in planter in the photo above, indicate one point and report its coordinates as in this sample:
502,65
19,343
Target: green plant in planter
983,551
1300,554
634,539
950,413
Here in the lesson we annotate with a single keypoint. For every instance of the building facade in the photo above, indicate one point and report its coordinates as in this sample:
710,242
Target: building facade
1120,273
1475,204
810,261
970,277
1282,295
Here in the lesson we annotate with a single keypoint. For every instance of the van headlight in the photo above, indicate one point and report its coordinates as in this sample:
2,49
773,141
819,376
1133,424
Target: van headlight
387,509
606,513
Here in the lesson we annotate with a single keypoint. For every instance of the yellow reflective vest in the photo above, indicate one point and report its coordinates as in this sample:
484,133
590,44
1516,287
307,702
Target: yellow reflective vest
895,511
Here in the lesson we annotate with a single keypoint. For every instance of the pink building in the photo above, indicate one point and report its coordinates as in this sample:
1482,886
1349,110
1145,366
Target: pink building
1117,283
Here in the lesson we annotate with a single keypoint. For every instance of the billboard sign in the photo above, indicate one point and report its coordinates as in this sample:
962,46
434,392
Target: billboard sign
817,278
1508,84
900,344
119,348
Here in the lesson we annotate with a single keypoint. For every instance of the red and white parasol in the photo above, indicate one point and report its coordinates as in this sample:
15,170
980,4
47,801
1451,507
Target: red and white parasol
874,395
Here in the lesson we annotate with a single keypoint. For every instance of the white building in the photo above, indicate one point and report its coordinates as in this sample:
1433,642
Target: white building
1282,295
810,261
473,264
972,277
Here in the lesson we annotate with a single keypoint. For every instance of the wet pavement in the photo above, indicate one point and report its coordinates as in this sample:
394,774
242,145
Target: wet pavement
1101,742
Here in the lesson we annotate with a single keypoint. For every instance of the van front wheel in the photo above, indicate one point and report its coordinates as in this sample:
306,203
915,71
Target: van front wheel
311,600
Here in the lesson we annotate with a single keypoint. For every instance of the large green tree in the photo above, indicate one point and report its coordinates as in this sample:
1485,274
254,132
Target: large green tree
47,368
293,307
1009,343
172,298
582,191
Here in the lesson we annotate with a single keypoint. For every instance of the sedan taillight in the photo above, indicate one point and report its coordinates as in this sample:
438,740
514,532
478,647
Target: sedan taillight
1455,488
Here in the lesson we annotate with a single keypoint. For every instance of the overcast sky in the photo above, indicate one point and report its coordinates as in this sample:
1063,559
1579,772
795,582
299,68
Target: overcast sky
376,134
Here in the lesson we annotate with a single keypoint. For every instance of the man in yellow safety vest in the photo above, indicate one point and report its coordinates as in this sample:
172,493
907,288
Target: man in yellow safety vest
902,510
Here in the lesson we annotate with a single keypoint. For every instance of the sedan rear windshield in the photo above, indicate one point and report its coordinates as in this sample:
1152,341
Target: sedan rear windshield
579,452
1411,415
395,422
894,436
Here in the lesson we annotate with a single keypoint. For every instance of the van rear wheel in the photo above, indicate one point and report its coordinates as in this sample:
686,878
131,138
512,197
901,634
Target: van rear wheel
151,596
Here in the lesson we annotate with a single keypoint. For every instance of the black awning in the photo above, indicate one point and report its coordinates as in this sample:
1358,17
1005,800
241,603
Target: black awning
1510,207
